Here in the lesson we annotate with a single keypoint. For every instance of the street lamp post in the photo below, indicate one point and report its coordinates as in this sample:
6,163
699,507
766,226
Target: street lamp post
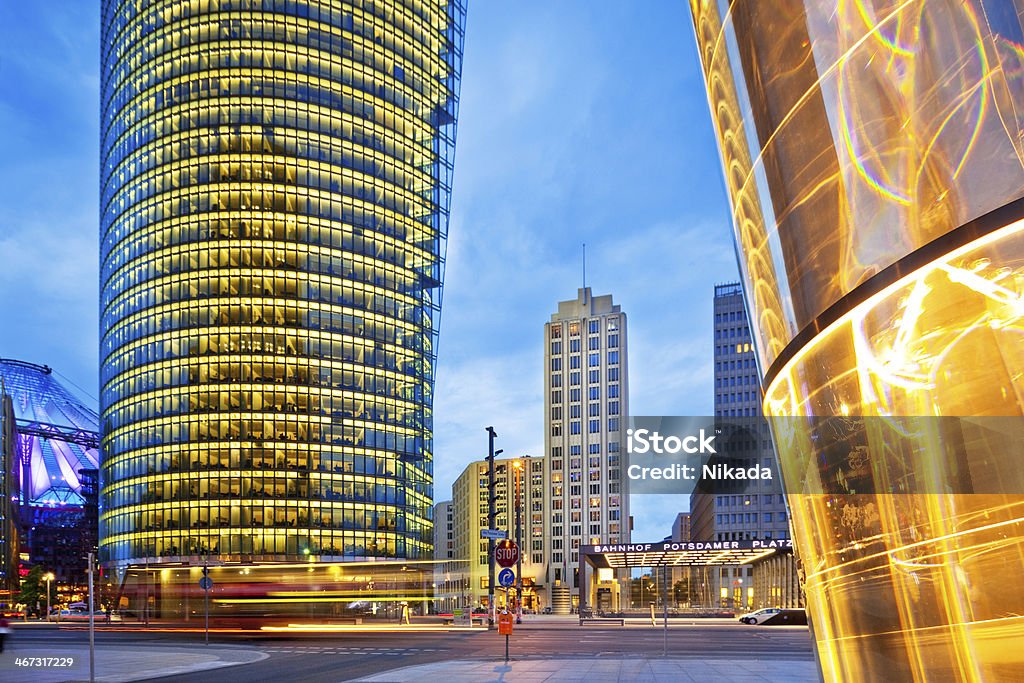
491,517
518,467
49,577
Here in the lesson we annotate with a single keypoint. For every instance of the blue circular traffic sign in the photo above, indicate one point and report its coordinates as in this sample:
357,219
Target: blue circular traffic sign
506,577
206,583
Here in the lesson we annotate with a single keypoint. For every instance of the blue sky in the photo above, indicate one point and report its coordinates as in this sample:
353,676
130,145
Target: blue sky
580,121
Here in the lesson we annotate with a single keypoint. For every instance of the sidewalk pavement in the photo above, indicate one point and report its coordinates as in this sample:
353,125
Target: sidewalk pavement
60,663
601,670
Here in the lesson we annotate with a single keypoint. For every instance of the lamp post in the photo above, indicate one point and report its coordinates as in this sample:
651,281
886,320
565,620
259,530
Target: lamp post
491,516
48,576
517,466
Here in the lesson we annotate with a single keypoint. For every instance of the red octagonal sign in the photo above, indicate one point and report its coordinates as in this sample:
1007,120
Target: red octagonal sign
506,553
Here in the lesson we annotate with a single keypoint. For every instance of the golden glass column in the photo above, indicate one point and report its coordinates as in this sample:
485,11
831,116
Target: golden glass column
874,160
275,183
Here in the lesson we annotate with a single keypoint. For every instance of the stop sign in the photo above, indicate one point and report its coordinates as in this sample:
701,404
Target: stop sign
506,553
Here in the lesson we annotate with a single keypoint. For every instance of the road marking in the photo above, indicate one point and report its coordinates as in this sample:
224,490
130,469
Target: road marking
352,650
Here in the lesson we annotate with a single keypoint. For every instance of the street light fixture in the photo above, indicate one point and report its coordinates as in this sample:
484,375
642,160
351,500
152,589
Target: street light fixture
517,466
48,576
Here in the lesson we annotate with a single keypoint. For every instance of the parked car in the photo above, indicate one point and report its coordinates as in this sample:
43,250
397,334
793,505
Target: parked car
77,615
760,616
547,610
81,615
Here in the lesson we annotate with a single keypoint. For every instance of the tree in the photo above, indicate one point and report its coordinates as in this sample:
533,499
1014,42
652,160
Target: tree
33,589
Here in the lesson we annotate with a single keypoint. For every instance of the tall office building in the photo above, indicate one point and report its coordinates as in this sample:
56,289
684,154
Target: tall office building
275,185
470,509
449,582
586,405
681,527
738,398
753,514
444,532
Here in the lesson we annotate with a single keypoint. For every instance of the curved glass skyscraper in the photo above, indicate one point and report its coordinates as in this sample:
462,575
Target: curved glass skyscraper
275,182
874,160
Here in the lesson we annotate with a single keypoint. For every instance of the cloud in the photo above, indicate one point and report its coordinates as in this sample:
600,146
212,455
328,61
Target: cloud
476,393
529,92
50,295
49,93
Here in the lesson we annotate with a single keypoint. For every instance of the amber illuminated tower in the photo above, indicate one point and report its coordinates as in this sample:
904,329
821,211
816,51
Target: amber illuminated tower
275,183
874,161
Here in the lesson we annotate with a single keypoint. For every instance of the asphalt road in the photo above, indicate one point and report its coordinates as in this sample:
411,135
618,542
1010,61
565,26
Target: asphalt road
346,656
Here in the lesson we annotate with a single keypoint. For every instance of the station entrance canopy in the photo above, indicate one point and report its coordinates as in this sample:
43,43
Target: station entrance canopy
681,553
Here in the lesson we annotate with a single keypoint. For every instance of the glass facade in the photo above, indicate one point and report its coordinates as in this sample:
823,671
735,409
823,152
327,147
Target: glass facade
872,153
275,185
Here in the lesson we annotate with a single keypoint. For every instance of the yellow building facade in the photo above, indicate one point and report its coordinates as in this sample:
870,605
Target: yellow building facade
470,515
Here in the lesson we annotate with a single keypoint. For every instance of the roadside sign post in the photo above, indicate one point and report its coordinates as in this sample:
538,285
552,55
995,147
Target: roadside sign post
492,517
92,624
507,579
505,620
506,553
664,601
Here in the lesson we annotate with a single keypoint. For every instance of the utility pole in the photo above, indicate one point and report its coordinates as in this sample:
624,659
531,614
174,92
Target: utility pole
519,542
664,605
48,576
92,625
492,517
